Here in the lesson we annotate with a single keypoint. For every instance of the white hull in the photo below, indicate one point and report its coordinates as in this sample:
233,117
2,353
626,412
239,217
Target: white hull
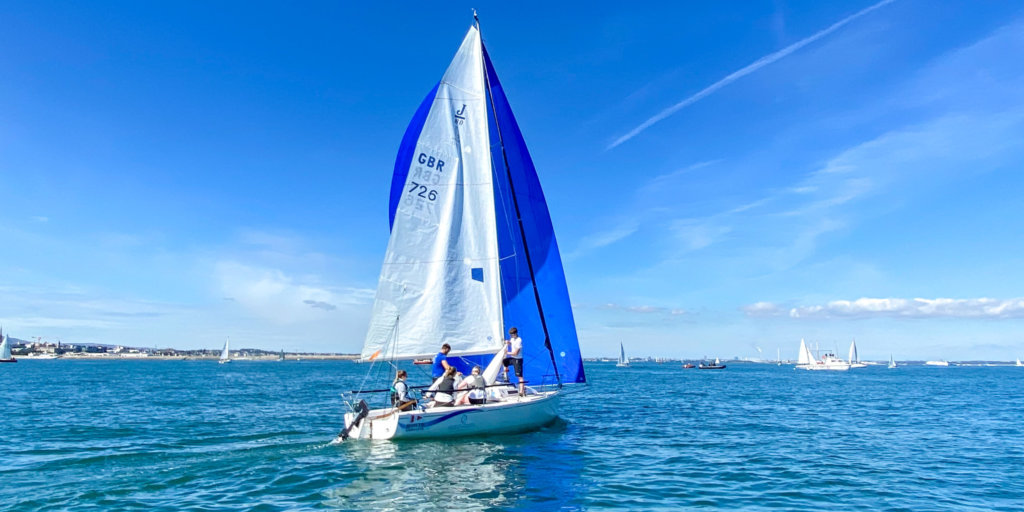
514,415
622,365
936,363
829,362
833,367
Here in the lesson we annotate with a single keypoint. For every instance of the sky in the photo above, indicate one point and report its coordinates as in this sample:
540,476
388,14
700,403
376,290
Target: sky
725,178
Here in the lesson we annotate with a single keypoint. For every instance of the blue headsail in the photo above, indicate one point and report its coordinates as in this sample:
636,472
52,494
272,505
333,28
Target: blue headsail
519,304
518,301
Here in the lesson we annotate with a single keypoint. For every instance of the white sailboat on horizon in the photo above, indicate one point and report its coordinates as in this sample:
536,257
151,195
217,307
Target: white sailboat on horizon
623,360
225,355
854,357
5,349
892,362
807,361
472,252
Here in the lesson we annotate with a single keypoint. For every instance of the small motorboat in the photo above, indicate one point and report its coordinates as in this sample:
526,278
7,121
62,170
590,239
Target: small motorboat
717,365
689,365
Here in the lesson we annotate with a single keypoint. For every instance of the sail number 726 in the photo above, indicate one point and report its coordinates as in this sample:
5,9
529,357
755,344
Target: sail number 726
422,191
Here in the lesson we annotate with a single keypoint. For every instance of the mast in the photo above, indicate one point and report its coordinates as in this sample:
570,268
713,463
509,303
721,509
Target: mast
519,218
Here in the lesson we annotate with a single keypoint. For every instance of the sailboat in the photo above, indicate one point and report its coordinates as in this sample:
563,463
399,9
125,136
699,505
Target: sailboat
778,356
5,349
854,358
472,252
1019,363
892,362
807,361
623,360
225,355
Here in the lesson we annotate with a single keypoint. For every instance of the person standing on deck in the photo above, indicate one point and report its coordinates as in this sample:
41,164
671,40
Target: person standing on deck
514,357
441,362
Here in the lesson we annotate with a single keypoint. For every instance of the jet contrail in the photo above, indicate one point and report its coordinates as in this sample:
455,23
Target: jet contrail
756,65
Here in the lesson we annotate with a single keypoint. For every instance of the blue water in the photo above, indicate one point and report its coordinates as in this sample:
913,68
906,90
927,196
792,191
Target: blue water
174,435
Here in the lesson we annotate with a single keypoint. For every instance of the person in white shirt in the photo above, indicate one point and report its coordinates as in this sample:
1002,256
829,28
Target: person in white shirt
514,358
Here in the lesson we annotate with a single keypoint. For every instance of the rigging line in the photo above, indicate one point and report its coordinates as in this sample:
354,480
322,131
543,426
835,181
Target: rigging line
519,217
373,363
501,196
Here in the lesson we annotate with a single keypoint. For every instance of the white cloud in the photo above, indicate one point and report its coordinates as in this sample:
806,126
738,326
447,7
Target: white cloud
279,298
983,308
643,309
698,235
40,322
604,238
762,309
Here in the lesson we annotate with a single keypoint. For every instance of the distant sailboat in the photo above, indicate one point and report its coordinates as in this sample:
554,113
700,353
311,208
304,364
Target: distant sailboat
281,357
892,362
5,349
807,361
623,360
854,358
225,355
804,357
778,356
1019,363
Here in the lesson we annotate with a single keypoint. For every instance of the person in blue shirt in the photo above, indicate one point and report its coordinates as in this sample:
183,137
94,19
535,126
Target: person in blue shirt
441,362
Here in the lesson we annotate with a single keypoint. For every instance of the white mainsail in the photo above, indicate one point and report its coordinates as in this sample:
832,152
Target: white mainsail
439,282
804,357
623,360
5,348
225,354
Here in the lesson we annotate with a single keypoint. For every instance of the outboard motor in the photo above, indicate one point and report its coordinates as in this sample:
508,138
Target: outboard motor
362,411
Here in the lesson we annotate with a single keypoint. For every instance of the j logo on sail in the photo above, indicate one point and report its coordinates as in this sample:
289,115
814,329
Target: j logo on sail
460,116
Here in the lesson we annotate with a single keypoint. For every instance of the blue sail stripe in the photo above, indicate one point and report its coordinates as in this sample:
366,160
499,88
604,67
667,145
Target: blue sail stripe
406,152
437,420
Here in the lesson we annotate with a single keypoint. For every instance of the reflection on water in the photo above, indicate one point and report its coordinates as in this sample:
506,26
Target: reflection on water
459,474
